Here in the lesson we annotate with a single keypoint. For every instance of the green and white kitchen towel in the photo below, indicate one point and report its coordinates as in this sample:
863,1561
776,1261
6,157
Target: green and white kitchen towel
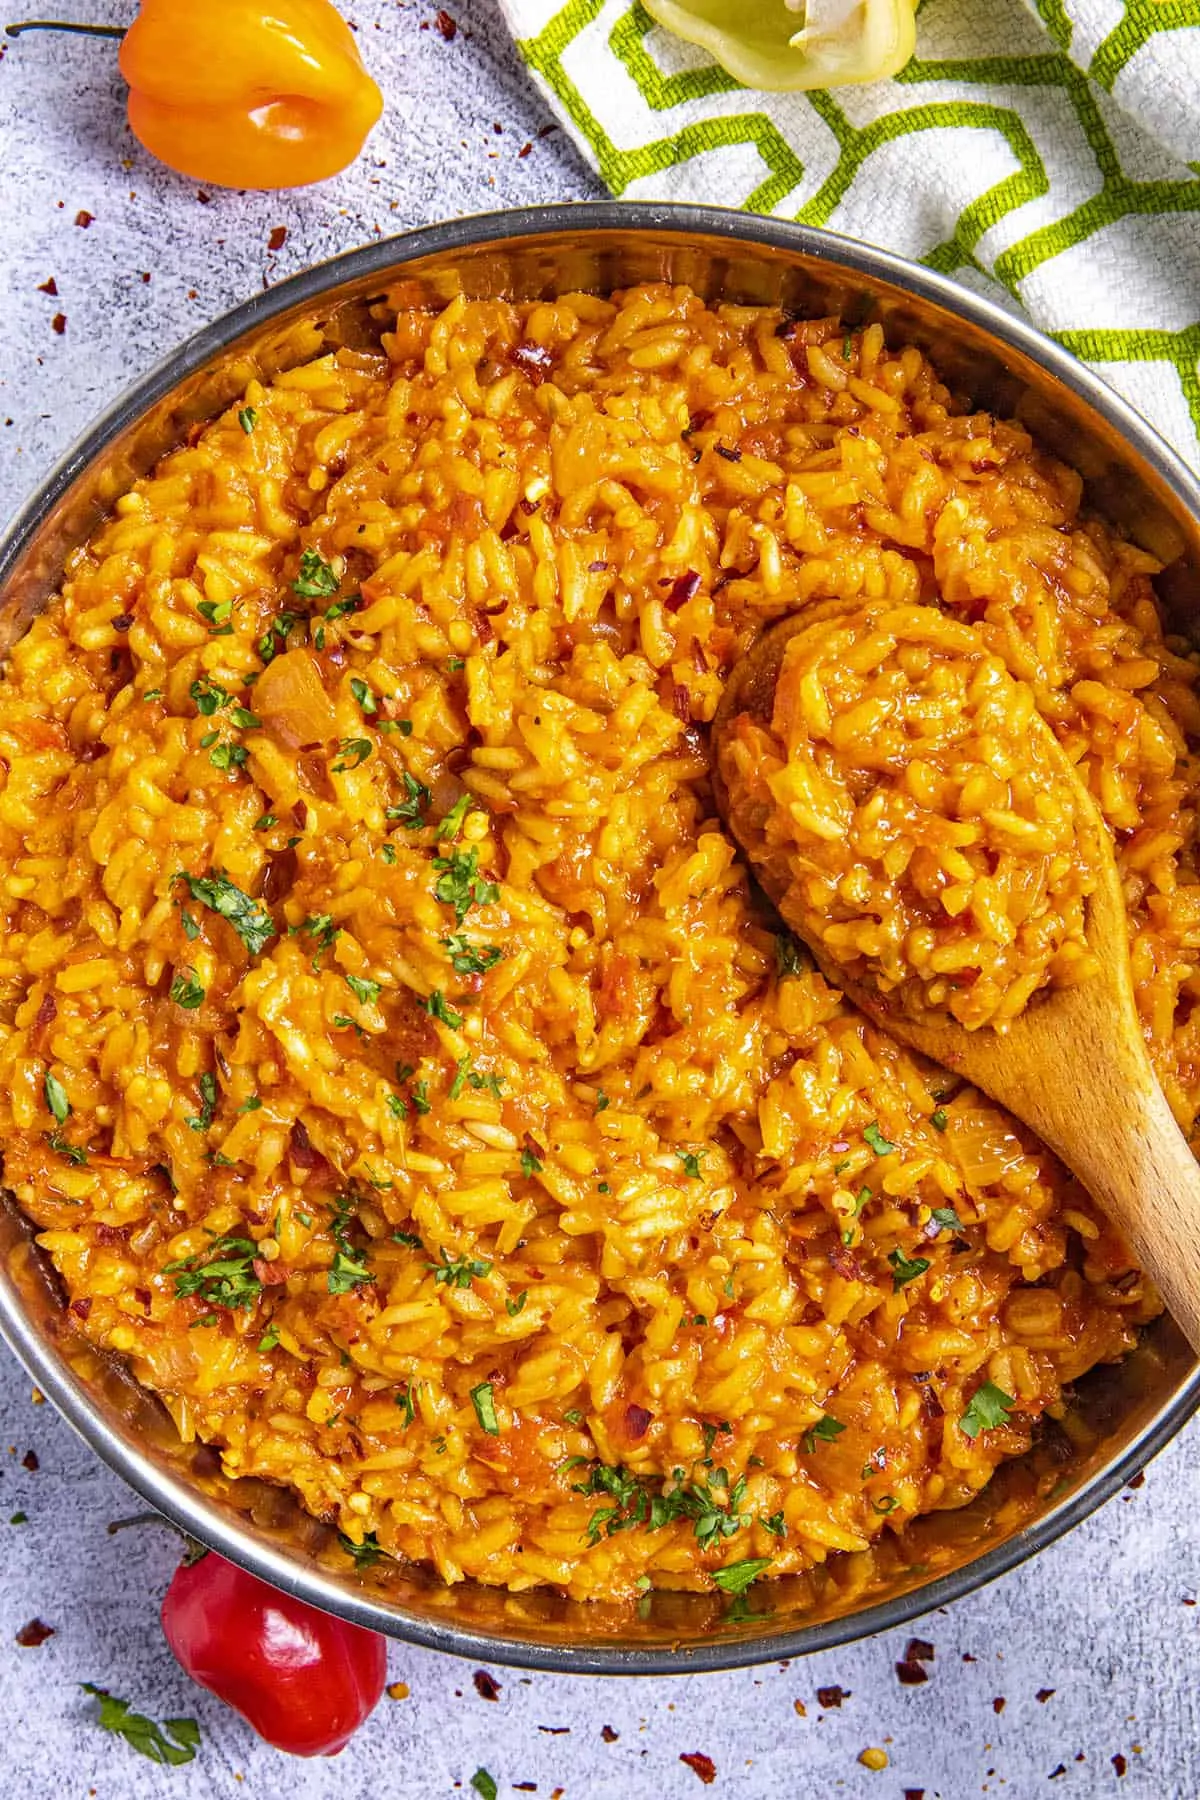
1049,157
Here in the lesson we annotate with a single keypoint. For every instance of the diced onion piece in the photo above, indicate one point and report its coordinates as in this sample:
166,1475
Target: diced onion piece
290,699
841,42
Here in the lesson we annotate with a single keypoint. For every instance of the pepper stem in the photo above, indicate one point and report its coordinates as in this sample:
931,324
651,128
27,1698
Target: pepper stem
107,31
192,1551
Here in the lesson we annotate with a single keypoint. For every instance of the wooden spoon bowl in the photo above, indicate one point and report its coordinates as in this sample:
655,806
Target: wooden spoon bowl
1073,1066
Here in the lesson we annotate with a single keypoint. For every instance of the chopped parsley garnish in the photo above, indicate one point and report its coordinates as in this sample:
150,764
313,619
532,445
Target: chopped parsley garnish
362,1555
885,1504
990,1406
397,1105
207,1084
249,918
411,810
691,1163
469,959
19,1518
274,638
484,1402
221,1275
947,1218
190,928
905,1269
462,1069
714,1507
408,1238
265,823
438,1008
407,1402
451,825
367,703
823,1432
460,885
217,615
455,663
56,1098
345,1274
363,989
352,753
457,1271
350,604
74,1153
209,697
876,1140
322,930
484,1785
738,1576
316,580
939,1119
514,1307
602,1101
173,1742
244,719
247,419
790,956
530,1163
186,990
269,1339
775,1524
419,1094
228,756
152,694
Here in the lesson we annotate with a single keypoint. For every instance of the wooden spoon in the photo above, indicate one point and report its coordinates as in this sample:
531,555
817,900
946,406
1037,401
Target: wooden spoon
1073,1066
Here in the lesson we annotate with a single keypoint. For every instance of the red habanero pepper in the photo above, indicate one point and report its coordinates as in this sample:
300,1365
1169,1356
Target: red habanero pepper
304,1680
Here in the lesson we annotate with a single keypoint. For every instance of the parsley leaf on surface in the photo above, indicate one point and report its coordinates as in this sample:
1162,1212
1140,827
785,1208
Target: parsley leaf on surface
736,1577
221,1275
56,1098
173,1742
186,990
484,1401
823,1432
316,580
905,1269
249,918
877,1141
990,1406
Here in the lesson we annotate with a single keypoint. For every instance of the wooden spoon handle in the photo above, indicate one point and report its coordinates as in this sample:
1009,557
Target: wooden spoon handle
1112,1126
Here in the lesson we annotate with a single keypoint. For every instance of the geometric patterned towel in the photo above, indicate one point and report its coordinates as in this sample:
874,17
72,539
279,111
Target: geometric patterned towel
1048,156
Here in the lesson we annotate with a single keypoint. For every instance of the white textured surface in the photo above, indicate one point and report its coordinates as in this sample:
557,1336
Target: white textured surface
1102,1619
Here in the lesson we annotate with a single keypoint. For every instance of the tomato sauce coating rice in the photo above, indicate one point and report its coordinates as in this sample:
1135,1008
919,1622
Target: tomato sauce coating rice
398,1064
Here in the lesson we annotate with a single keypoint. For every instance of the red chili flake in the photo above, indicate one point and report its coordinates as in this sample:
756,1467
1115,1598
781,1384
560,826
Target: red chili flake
1055,1773
112,1234
525,1787
555,1730
484,630
270,1274
1119,1764
832,1696
524,151
146,276
545,130
733,455
597,568
59,323
967,1657
914,1794
683,588
143,1297
681,703
81,1308
999,1703
498,128
303,1154
1138,1481
83,219
30,1461
911,1674
535,359
608,1734
46,1013
534,1148
202,197
919,1650
702,1765
33,1634
637,1421
48,287
1044,1694
1189,1599
486,1686
528,506
122,622
278,238
446,25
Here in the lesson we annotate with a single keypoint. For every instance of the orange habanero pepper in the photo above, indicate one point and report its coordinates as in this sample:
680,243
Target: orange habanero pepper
246,95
